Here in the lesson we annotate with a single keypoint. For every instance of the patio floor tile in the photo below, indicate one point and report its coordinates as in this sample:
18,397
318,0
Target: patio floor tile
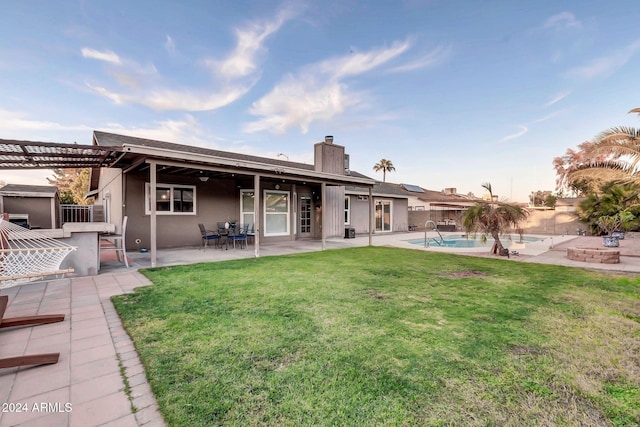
101,410
96,388
95,369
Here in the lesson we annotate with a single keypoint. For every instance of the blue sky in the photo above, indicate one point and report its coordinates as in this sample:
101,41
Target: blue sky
454,93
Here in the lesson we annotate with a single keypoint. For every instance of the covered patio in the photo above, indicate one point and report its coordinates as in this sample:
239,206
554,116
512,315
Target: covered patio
166,189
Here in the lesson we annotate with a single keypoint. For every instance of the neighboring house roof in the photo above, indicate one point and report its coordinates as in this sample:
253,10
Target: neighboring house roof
137,150
439,197
19,190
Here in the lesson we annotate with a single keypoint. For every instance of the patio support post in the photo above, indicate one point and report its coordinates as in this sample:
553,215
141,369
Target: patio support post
152,202
323,195
256,214
371,216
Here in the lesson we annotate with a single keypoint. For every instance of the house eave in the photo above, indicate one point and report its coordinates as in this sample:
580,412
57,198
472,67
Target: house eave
162,155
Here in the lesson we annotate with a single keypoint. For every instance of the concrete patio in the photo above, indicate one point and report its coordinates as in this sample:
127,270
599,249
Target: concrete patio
87,386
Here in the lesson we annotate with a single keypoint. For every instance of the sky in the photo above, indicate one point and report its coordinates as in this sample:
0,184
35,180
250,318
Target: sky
455,93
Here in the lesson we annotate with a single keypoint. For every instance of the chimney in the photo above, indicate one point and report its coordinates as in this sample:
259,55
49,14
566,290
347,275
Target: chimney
329,157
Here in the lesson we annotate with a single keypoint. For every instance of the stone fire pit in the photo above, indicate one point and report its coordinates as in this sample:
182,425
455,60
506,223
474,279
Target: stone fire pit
594,255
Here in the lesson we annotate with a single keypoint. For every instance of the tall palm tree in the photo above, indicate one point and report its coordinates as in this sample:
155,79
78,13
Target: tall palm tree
385,166
493,219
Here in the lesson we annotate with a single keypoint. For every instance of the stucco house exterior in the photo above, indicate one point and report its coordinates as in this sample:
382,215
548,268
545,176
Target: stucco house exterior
390,203
167,189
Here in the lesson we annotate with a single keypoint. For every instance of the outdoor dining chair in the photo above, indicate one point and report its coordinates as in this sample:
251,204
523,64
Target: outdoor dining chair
208,235
251,233
238,234
117,242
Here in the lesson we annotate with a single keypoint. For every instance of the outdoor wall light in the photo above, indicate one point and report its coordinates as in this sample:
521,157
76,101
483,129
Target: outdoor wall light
204,178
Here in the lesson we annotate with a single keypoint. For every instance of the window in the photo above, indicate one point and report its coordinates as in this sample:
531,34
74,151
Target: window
276,213
383,215
347,210
172,199
246,207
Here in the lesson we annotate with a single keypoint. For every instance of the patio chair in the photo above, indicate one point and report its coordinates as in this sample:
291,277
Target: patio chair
208,235
238,234
117,242
251,233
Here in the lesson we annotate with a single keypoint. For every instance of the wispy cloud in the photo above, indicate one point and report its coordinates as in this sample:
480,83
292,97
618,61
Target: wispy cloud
106,56
177,100
557,98
561,21
605,65
359,63
18,121
185,131
522,131
436,57
232,77
318,92
242,61
169,45
550,116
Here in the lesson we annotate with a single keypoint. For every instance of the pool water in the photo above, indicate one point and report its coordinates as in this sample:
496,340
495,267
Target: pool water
469,242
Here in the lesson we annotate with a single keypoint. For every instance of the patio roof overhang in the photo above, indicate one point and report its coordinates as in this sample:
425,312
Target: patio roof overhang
50,155
138,158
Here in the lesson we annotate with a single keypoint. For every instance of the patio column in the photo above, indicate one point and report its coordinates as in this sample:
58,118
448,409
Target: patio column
371,217
323,195
152,202
256,215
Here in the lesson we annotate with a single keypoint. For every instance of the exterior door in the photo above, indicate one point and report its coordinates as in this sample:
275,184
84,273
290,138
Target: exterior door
247,214
304,215
383,215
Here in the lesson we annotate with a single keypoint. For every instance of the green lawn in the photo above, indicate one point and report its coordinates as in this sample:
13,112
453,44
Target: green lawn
382,336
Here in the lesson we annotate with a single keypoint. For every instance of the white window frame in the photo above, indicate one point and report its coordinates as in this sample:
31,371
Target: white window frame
171,187
347,210
382,202
265,213
242,211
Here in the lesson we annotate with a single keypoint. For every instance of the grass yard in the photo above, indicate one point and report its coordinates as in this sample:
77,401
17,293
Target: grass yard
383,336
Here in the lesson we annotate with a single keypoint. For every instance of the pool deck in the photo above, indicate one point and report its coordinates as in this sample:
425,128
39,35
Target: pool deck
96,353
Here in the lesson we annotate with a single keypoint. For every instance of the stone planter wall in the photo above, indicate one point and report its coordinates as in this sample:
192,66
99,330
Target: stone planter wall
594,255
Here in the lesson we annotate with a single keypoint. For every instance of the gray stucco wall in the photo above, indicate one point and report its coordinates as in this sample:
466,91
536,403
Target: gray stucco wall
360,214
217,200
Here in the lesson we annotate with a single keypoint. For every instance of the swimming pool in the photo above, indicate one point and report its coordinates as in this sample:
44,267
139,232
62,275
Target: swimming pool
463,241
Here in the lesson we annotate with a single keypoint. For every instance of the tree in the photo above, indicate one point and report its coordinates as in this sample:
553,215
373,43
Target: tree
571,162
385,166
72,184
613,156
493,218
613,198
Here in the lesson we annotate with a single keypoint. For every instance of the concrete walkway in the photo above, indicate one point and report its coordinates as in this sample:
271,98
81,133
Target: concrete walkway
86,388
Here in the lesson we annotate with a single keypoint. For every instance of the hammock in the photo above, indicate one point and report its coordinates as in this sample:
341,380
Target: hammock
26,255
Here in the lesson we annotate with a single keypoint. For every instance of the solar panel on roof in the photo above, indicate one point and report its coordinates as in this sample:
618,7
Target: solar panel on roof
413,188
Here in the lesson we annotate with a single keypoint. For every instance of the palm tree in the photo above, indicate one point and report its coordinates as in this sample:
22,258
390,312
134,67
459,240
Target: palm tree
385,166
493,219
614,156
